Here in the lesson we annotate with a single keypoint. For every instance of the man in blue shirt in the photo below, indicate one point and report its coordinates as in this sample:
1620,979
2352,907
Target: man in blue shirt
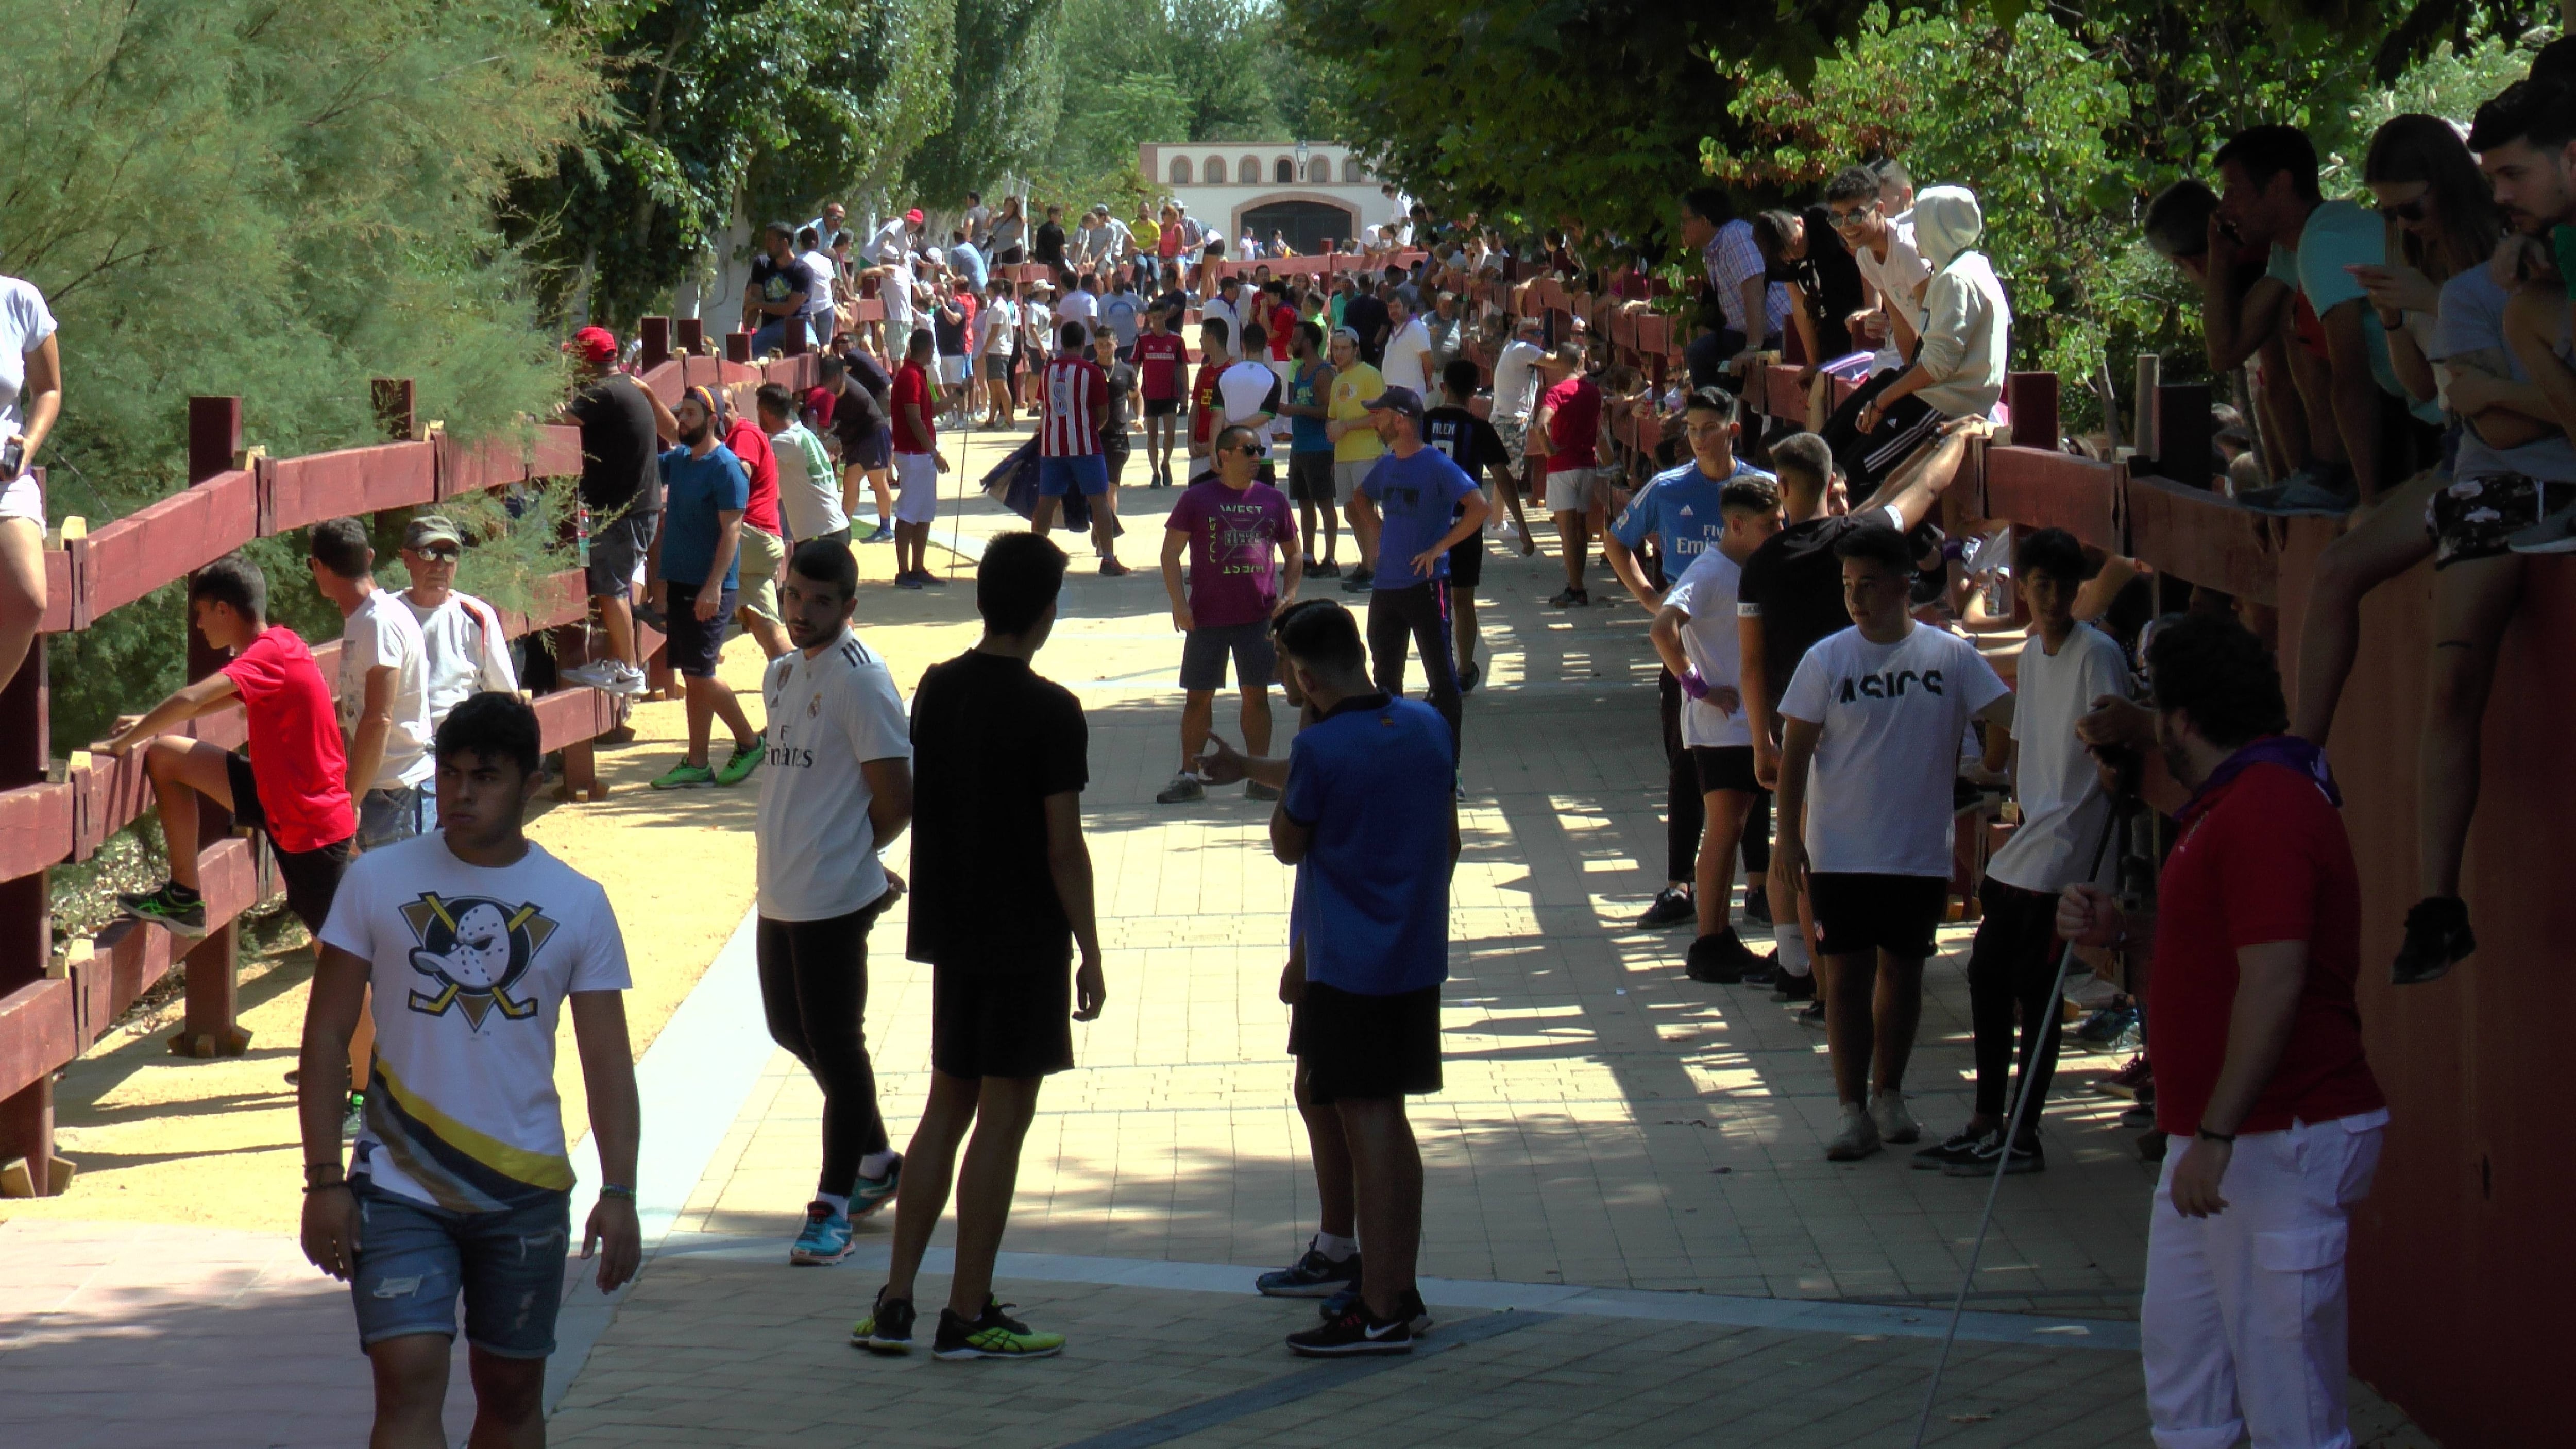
1414,506
1369,820
693,569
1678,508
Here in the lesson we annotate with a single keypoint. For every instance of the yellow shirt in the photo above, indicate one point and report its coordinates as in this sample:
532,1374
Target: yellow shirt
1145,233
1352,388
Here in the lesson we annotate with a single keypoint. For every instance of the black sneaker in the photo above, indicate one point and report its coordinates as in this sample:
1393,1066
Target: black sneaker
1409,1308
1360,582
1570,599
2437,938
1468,676
1813,1016
1720,960
163,908
1765,972
1672,906
991,1334
1795,988
1757,905
2026,1157
1325,571
1353,1333
888,1327
1311,1276
1959,1146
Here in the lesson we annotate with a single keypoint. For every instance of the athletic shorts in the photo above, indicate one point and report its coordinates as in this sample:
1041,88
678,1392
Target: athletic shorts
616,547
1162,407
874,451
1897,914
1348,475
1515,435
1573,490
19,498
2476,518
1082,473
311,877
762,553
694,645
1001,1023
916,477
1310,480
952,369
1366,1047
1205,649
414,1262
1467,563
997,366
1725,767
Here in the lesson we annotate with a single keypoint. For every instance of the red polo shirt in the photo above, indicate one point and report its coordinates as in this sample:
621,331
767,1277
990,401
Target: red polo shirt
2263,858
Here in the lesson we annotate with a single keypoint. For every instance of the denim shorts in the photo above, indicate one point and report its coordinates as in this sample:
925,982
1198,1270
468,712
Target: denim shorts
414,1260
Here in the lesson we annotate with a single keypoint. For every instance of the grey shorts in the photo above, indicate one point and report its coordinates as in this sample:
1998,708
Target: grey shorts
616,547
1347,477
1205,650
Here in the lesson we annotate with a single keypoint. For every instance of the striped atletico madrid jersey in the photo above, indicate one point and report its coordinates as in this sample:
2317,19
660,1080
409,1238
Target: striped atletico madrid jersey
1077,395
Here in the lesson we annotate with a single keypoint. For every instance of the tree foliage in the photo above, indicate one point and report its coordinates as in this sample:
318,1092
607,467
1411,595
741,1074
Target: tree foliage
1007,77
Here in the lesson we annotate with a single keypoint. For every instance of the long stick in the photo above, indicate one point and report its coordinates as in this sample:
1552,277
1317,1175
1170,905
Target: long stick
2022,1103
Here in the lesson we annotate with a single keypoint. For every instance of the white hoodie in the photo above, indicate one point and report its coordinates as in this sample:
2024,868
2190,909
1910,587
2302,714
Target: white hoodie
1967,324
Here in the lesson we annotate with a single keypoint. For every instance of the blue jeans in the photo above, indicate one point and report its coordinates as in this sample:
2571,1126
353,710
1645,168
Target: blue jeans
773,334
399,813
415,1261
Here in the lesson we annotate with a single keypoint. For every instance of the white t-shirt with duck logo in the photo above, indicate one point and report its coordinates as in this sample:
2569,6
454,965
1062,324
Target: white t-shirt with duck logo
1879,796
471,965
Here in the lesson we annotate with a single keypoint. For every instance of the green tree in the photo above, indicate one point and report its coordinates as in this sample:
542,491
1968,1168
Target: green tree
1007,75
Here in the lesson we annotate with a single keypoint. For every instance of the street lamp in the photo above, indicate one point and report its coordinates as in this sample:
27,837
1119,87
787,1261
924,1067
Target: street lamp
1301,161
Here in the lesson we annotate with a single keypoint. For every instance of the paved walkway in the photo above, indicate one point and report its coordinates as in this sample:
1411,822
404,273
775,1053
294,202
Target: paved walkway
1631,1231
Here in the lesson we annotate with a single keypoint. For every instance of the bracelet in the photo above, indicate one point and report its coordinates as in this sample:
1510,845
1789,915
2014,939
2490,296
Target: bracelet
2205,1135
610,1189
311,1169
311,1188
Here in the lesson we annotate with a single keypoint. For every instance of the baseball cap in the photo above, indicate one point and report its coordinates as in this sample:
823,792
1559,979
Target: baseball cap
913,216
1397,399
431,528
593,344
1350,333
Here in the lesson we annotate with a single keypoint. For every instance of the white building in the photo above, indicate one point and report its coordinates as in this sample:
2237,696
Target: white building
1309,191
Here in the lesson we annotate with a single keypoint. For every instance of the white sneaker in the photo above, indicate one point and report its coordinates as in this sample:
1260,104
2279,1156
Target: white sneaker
600,674
630,680
1857,1139
1895,1124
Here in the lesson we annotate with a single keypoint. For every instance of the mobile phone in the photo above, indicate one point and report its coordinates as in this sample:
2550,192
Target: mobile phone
12,458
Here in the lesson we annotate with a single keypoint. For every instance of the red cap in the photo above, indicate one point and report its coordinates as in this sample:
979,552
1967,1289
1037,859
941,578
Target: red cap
913,216
594,344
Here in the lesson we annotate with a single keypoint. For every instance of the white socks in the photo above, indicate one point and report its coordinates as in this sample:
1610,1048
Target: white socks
877,1164
1338,1250
838,1202
1793,948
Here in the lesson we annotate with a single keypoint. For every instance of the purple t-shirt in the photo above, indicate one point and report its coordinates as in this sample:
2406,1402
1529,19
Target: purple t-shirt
1235,540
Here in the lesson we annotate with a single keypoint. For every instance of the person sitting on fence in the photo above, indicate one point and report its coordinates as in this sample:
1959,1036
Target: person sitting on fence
1967,334
31,398
775,298
1802,249
1740,310
292,781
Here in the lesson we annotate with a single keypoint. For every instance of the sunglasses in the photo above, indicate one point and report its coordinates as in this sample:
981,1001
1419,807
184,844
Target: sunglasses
1853,217
1249,450
438,553
2409,211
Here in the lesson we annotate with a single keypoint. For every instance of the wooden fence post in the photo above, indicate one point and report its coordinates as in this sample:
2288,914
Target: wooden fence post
689,335
655,334
2032,396
26,920
738,347
2182,435
211,1027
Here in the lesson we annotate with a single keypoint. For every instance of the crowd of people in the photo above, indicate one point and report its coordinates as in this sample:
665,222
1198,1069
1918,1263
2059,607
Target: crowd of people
1841,682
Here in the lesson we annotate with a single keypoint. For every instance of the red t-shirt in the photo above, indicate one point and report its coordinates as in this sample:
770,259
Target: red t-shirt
912,389
2264,859
1574,427
1283,322
296,757
1158,365
818,409
1206,404
751,445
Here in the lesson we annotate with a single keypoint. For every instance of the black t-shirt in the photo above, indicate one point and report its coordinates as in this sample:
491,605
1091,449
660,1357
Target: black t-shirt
991,741
1113,422
1796,584
776,281
1367,316
618,448
1050,244
1469,440
950,335
858,415
1832,282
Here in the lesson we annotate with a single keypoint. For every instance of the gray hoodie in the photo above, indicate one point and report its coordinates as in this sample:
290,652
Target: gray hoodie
1967,324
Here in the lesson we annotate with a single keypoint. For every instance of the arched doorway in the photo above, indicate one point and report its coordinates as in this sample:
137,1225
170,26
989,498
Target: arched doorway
1305,223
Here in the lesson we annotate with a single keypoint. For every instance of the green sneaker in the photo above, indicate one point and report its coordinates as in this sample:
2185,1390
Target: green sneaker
160,908
685,776
888,1327
991,1334
745,759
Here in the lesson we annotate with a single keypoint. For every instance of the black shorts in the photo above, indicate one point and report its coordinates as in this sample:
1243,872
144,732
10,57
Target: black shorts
1001,1023
1467,563
2475,518
1310,479
1728,767
311,877
616,546
1366,1047
1856,914
876,450
1162,407
693,645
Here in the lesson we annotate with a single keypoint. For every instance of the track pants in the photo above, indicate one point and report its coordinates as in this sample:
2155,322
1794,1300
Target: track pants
2013,965
814,989
1419,613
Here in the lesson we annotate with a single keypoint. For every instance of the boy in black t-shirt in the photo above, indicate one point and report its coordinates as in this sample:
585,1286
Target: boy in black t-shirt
1477,449
999,763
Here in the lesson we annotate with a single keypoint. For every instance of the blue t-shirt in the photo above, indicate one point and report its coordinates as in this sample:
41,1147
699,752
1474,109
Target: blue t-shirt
964,258
1679,506
1418,497
1306,435
1372,780
2340,234
697,489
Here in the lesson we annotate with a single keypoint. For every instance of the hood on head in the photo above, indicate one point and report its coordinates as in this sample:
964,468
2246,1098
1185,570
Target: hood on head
1946,223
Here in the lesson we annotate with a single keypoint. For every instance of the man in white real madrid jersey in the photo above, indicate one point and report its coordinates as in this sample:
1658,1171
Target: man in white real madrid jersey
838,790
474,939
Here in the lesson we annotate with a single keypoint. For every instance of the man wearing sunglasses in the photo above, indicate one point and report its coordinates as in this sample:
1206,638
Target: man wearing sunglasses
1233,529
467,650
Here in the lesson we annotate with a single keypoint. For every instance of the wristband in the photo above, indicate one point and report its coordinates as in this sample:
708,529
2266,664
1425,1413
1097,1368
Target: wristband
1693,683
311,1188
314,1169
610,1189
2205,1135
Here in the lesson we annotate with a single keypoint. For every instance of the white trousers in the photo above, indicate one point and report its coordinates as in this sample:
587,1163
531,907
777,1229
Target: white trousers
2244,1319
